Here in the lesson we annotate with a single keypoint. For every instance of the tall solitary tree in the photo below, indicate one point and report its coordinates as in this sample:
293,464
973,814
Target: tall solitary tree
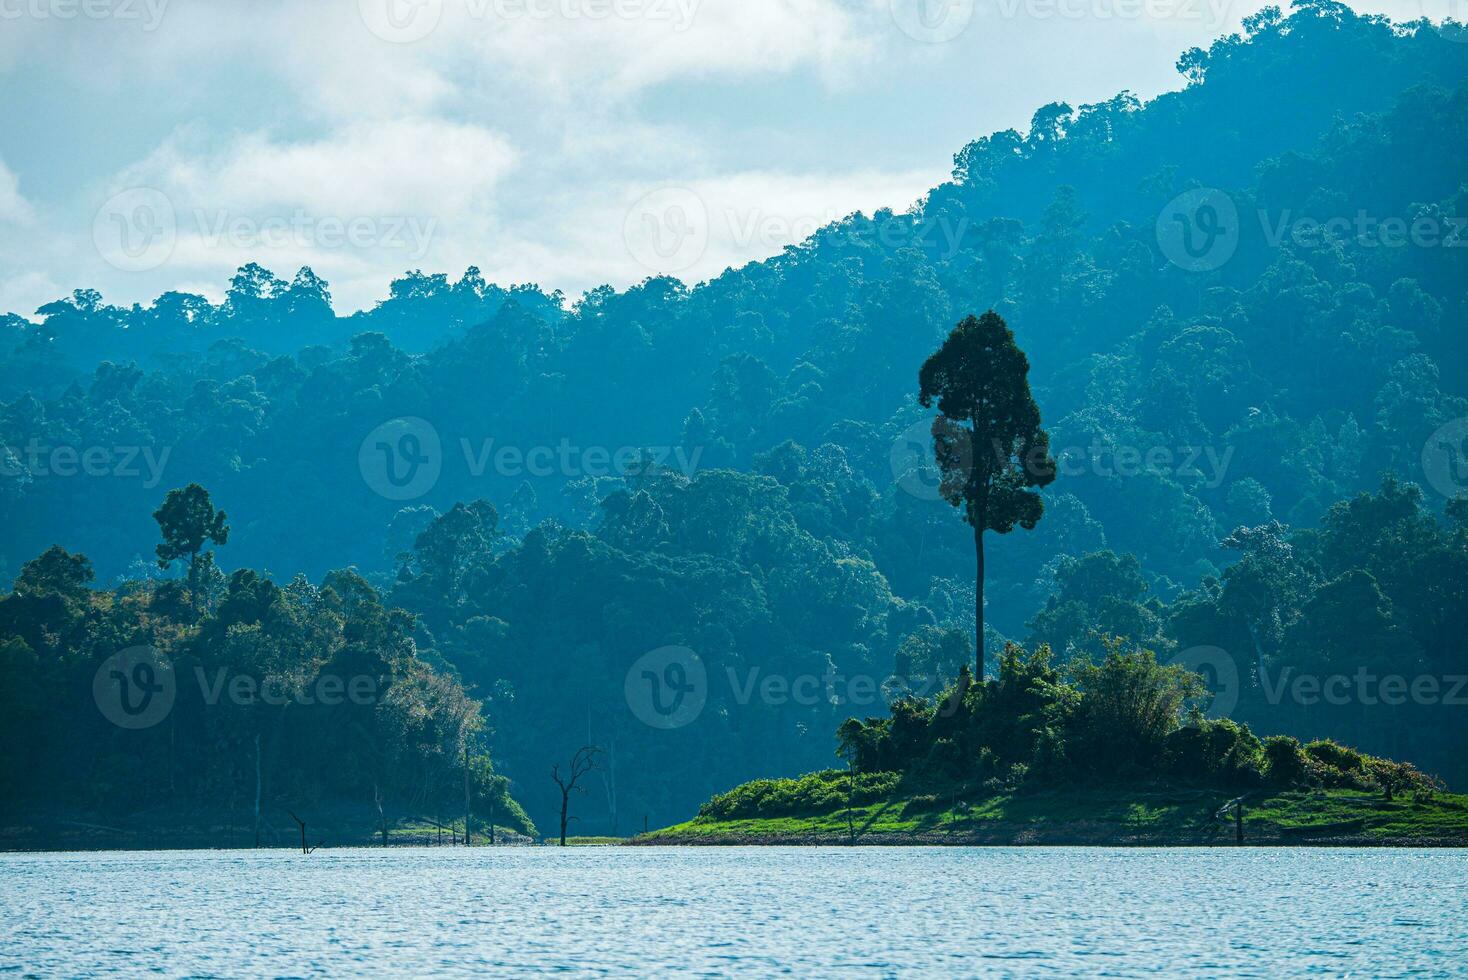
188,521
990,448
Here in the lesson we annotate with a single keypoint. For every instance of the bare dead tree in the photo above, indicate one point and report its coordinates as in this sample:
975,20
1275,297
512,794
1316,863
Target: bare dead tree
302,824
582,763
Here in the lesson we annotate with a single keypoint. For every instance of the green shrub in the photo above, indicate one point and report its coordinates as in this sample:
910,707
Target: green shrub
813,793
1285,762
1336,756
1332,764
1215,751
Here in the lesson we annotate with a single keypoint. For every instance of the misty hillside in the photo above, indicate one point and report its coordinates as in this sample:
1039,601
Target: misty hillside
1245,323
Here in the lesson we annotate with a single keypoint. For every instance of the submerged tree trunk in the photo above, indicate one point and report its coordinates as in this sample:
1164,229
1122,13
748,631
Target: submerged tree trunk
302,824
979,603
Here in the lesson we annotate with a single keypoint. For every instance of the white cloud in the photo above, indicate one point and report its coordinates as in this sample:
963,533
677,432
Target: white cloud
27,292
13,207
517,133
403,166
615,57
368,200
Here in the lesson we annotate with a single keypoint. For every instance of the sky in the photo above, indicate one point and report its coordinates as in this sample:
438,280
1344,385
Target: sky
154,145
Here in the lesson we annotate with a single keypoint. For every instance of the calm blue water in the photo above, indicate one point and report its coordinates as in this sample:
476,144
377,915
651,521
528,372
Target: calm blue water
804,911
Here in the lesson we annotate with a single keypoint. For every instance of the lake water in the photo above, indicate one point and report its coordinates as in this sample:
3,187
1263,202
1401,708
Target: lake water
803,911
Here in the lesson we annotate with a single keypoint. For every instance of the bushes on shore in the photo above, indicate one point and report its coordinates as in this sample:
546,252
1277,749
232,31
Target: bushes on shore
1124,719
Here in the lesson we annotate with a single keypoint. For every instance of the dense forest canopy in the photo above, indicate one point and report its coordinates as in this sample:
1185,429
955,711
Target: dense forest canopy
1244,318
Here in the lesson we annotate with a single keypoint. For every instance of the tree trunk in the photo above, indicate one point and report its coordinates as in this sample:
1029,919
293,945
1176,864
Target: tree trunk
609,782
565,805
302,824
193,580
468,834
257,789
979,603
381,817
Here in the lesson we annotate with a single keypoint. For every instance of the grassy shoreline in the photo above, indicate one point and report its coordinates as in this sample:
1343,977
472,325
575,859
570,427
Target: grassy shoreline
81,831
1182,818
1106,818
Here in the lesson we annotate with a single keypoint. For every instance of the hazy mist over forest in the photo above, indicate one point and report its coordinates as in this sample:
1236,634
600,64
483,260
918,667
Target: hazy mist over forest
548,414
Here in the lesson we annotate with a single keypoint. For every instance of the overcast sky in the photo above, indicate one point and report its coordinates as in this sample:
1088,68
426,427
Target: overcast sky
148,145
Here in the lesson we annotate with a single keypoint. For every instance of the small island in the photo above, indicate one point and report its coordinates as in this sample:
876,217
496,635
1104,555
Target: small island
1018,760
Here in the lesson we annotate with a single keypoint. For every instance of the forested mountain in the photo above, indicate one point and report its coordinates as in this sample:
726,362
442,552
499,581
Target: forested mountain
1243,303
